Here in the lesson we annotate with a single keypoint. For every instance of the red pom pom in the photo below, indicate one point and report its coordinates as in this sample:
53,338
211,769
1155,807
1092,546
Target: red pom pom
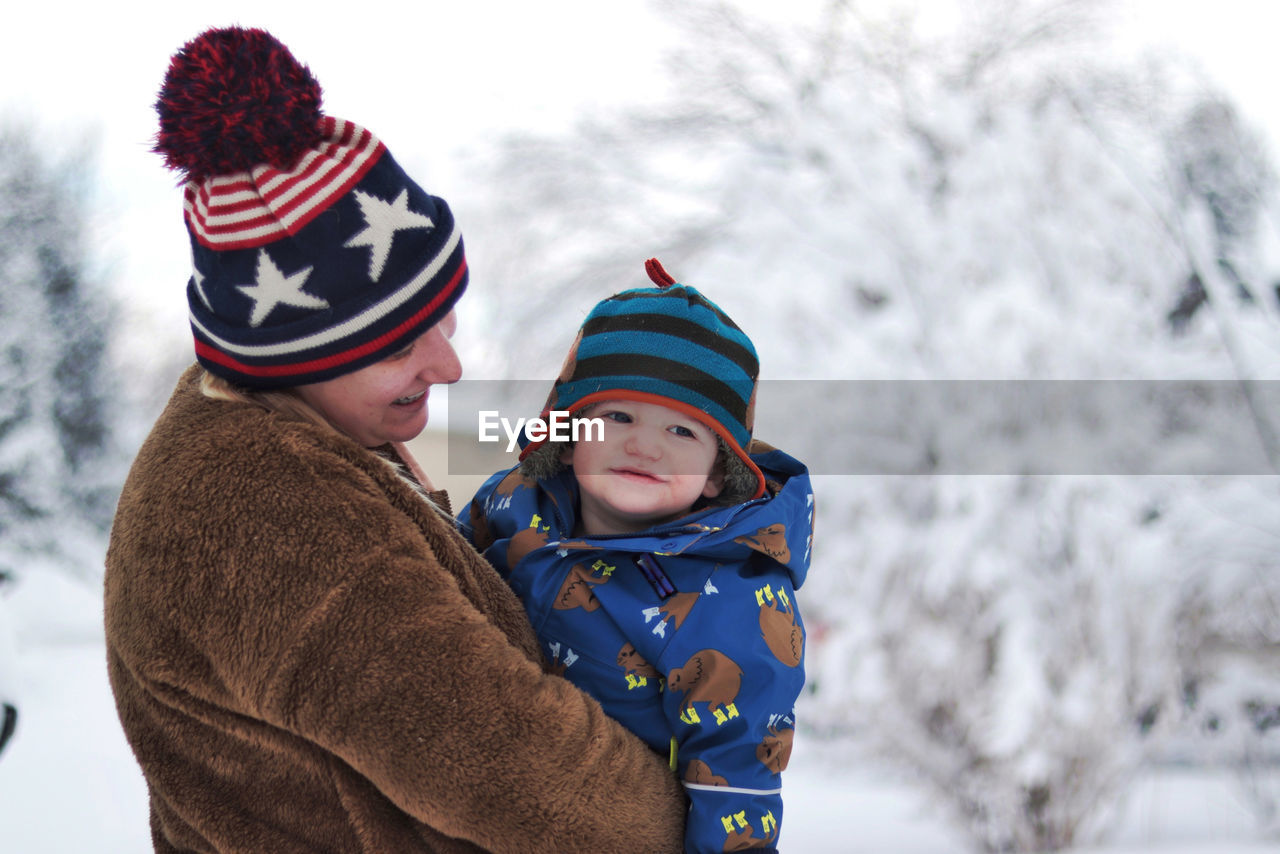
235,98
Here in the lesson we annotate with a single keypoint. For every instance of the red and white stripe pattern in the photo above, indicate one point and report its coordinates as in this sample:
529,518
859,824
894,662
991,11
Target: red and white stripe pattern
248,209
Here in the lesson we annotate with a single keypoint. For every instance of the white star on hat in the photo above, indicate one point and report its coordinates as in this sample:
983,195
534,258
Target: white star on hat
382,221
274,287
198,278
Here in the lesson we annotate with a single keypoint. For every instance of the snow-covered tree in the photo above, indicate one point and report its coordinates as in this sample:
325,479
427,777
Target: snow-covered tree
876,198
59,471
1009,645
1229,631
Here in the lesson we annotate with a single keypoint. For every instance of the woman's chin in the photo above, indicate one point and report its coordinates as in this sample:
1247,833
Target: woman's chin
405,424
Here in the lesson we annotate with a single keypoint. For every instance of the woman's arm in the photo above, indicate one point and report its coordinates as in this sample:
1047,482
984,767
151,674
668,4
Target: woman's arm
395,670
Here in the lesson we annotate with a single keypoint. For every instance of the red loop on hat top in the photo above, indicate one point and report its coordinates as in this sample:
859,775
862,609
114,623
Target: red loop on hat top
660,277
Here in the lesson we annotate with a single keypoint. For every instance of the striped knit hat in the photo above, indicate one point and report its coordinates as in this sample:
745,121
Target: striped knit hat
314,254
671,346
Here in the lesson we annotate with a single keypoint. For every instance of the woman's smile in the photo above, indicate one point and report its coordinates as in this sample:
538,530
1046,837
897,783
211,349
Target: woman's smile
409,400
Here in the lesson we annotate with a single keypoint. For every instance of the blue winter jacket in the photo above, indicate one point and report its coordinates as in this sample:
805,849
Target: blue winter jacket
687,633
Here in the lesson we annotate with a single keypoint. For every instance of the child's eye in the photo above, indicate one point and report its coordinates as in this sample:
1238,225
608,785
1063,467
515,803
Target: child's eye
619,417
681,430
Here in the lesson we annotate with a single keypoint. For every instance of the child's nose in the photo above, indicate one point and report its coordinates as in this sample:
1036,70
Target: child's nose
641,444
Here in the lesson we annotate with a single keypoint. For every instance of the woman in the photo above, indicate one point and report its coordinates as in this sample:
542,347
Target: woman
305,654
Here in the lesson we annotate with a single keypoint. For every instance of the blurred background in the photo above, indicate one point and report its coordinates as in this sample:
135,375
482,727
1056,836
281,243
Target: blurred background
1046,230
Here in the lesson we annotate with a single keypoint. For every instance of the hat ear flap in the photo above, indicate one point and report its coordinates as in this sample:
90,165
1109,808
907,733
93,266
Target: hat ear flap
566,373
570,360
749,417
544,462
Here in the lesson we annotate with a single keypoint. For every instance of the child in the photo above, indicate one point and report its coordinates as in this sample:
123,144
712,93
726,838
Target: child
658,559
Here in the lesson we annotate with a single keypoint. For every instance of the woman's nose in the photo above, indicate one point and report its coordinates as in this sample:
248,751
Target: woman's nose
440,363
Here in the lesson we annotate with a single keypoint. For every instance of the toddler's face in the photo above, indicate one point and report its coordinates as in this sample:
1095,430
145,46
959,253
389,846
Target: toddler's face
650,466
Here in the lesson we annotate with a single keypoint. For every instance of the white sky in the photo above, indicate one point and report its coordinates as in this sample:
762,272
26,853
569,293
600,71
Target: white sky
428,78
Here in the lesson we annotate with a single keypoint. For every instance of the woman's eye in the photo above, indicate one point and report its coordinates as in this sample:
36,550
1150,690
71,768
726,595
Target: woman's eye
400,354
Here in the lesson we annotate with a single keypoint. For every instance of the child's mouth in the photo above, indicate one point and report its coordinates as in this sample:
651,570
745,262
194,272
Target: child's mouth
636,474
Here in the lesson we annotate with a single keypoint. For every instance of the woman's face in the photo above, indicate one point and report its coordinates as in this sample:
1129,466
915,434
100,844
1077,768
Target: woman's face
387,401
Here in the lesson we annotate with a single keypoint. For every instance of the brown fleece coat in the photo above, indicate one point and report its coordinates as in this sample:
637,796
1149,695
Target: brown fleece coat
307,658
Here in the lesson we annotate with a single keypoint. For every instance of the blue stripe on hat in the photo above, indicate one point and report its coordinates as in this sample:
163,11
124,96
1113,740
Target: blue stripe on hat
674,348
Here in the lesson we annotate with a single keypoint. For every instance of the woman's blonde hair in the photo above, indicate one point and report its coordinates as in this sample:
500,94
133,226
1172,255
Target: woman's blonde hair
284,400
288,402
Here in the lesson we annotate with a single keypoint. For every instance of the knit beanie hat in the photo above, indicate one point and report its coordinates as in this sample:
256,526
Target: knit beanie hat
671,346
314,254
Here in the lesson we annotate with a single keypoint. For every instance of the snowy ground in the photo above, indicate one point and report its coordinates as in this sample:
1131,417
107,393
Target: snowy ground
68,784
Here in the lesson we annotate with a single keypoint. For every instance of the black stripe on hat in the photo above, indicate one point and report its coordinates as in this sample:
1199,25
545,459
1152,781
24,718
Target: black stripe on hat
691,297
655,367
678,327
